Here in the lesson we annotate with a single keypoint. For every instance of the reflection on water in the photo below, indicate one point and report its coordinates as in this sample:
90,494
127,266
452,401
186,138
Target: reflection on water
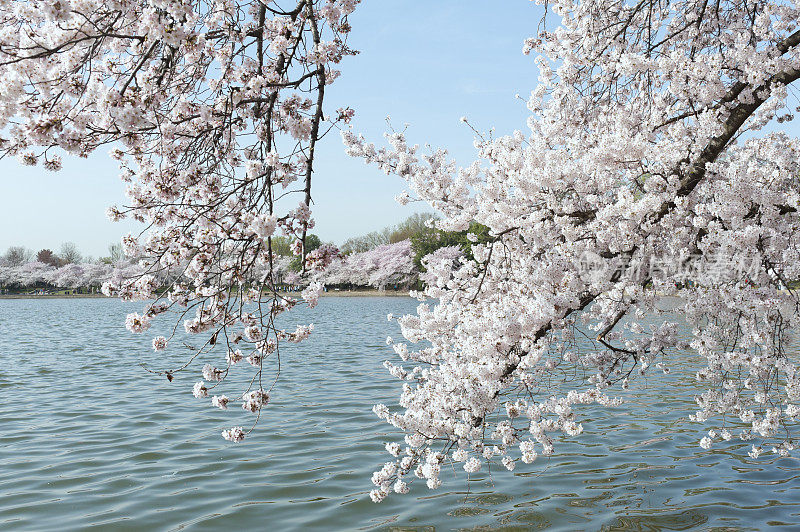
90,440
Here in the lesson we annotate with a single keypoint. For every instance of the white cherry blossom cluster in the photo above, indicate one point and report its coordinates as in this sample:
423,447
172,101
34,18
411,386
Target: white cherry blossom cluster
634,149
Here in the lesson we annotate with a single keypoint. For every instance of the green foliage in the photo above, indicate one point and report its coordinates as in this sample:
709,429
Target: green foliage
282,245
409,227
424,240
429,240
312,243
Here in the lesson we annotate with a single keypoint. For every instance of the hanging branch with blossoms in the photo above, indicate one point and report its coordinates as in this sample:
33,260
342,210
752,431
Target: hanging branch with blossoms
213,110
646,169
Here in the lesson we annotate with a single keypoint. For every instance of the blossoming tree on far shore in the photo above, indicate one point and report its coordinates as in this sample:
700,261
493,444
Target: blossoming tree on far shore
384,266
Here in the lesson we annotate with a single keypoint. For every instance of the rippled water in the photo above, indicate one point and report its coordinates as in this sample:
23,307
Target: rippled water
89,439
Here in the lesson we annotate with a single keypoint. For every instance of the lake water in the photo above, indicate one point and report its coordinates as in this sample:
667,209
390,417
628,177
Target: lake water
89,439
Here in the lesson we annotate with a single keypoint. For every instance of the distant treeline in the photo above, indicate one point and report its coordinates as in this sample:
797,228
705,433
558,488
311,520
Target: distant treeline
389,258
67,254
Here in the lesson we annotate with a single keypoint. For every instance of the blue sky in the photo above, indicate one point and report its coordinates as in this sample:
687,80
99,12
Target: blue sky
422,63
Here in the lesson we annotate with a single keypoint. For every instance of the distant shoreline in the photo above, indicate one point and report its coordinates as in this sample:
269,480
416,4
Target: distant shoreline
331,293
50,296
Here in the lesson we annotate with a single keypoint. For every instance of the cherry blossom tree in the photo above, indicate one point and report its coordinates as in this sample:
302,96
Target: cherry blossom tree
438,266
214,109
83,275
24,275
387,264
68,276
653,163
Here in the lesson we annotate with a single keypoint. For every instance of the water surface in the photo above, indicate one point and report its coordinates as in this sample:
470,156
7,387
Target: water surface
91,440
